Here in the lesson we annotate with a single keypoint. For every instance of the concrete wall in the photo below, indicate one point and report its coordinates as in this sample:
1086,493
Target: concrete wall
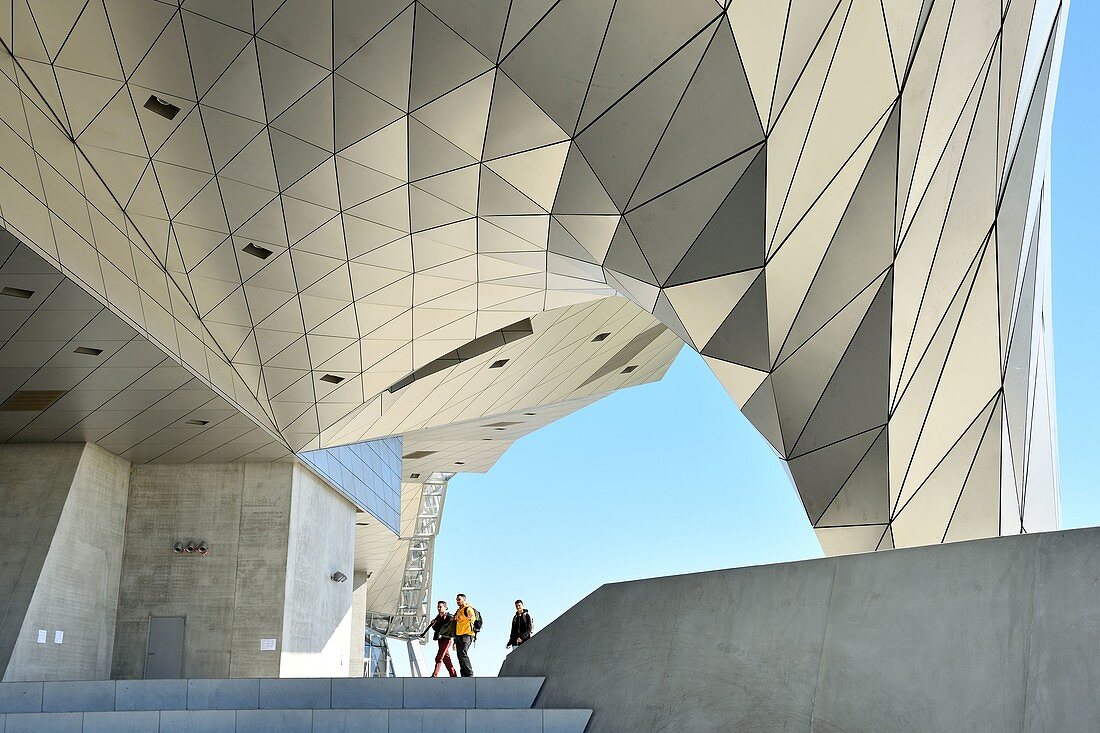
34,485
991,635
232,598
77,591
317,623
62,512
276,534
86,549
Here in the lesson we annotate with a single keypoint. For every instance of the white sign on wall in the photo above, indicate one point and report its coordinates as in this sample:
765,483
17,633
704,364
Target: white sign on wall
58,636
267,645
41,636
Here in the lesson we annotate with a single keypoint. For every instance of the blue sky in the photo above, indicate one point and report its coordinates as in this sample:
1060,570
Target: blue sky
670,478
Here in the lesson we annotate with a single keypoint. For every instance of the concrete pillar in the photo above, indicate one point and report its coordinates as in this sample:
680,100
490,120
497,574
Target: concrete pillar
62,515
358,624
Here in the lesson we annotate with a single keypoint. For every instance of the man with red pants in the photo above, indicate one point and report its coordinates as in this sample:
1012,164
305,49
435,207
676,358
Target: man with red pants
443,631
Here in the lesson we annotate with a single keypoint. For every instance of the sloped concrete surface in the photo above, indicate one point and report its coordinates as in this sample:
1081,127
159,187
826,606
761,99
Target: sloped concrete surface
991,635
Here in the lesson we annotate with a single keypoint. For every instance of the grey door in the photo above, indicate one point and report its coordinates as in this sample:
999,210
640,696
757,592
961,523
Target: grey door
164,649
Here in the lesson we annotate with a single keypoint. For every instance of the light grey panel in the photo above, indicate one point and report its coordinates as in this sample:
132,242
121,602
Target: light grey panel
44,723
437,721
64,697
503,721
131,721
20,697
151,695
565,721
351,721
190,721
266,721
506,692
283,694
223,694
367,692
439,692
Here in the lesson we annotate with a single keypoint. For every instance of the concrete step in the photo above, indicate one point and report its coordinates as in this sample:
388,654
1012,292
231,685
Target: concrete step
449,720
269,694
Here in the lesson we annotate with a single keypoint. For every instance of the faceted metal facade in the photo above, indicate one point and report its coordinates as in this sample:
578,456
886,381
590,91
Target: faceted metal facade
842,204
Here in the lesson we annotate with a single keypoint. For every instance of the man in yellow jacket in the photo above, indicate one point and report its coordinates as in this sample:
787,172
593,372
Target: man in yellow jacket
465,632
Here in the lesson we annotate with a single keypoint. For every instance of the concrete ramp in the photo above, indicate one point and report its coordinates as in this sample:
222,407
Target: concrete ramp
992,635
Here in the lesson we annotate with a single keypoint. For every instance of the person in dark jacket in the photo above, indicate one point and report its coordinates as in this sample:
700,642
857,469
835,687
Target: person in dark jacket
443,631
522,626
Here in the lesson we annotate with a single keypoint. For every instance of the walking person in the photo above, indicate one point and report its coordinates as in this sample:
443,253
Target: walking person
467,624
522,626
443,631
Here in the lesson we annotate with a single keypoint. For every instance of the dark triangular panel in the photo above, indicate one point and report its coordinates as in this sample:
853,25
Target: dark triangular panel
293,157
619,142
862,246
626,257
715,120
580,191
497,196
563,243
442,60
667,226
358,113
821,474
761,411
743,336
858,394
733,240
554,63
666,314
480,22
865,496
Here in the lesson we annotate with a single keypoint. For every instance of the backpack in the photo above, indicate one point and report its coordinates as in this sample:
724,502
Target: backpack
477,622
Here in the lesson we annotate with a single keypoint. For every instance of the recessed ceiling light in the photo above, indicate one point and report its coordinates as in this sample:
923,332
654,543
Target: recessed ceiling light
486,438
31,400
498,364
629,369
17,293
256,251
418,454
460,463
332,379
87,350
498,428
198,422
530,413
162,107
601,336
414,475
362,524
